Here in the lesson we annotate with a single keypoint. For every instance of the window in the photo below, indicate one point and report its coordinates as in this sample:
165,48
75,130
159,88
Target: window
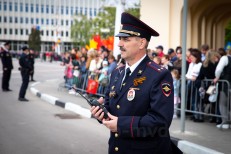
47,8
27,9
67,33
21,20
41,32
11,31
85,11
11,20
52,9
81,11
27,20
42,21
71,22
61,33
52,33
47,33
62,22
16,32
94,12
42,8
52,21
32,20
10,6
0,6
37,8
21,31
16,19
0,18
5,31
31,8
37,21
72,10
21,7
66,22
91,12
5,19
47,21
76,10
67,10
16,7
5,6
62,9
27,32
0,31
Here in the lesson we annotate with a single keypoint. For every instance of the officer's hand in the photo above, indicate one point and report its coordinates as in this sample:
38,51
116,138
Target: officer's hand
5,69
96,111
112,123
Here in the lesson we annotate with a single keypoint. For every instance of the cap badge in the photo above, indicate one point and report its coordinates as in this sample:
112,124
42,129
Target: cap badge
138,81
166,89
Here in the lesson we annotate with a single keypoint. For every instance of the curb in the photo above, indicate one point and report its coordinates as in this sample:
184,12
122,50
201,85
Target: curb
185,146
66,105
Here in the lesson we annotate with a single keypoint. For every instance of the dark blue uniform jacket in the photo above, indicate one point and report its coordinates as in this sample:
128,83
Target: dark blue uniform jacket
144,108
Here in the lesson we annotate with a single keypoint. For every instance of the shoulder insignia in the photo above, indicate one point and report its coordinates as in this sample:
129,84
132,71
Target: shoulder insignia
154,66
166,88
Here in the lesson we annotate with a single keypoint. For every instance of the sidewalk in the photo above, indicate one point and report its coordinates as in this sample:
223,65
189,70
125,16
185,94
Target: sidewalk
199,138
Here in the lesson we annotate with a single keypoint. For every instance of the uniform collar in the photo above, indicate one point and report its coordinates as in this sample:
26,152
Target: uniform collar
133,67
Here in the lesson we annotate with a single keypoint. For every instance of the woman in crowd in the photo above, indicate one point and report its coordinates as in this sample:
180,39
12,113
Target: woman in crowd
191,76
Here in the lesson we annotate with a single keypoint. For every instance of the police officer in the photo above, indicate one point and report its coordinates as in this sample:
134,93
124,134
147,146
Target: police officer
31,58
25,68
7,66
139,97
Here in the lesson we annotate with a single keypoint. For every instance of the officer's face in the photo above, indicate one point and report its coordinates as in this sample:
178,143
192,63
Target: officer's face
130,47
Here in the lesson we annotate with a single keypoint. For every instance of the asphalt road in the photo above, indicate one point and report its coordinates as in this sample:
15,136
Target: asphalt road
36,127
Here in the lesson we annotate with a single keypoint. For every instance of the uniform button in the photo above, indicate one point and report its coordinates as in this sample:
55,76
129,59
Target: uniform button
117,106
116,135
116,149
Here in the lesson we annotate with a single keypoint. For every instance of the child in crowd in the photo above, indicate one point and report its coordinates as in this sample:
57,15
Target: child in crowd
176,85
103,77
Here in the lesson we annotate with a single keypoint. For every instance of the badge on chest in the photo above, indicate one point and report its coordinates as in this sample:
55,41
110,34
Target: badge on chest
131,93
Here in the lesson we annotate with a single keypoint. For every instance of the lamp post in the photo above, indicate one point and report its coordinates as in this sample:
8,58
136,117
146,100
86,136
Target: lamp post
119,9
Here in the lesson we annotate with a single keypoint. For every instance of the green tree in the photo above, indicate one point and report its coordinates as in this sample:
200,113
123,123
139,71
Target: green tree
103,24
81,30
34,40
228,33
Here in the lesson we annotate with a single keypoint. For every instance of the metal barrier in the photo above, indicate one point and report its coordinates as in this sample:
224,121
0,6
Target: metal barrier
199,103
82,84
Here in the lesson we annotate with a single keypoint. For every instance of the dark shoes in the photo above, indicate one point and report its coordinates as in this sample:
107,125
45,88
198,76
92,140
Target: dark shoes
32,80
198,120
23,99
6,90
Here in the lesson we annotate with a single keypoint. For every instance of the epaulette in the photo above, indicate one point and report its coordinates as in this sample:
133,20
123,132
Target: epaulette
155,66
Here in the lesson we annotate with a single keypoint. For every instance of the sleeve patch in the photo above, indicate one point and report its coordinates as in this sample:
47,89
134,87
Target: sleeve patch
166,89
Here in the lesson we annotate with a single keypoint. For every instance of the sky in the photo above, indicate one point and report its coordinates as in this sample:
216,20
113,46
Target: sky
129,3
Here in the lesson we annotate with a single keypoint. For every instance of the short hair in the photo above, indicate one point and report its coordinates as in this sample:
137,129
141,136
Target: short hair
205,47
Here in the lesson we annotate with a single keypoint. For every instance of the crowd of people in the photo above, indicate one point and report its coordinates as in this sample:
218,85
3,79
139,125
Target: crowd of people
204,63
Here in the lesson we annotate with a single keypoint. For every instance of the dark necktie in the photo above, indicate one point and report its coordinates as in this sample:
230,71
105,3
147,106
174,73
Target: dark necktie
128,71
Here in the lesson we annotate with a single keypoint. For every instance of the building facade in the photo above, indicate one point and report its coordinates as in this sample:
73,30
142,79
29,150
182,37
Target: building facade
52,17
206,22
